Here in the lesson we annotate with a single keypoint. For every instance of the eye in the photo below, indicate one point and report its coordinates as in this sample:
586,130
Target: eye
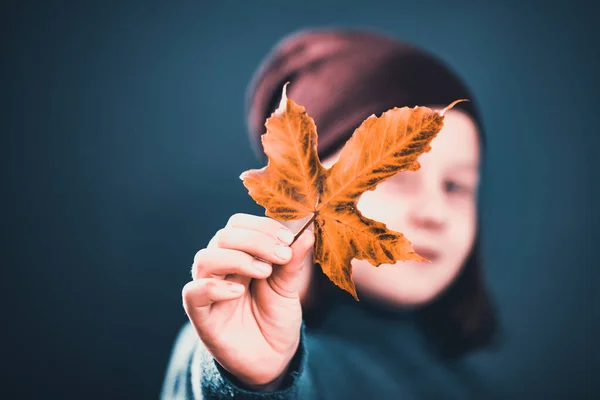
454,187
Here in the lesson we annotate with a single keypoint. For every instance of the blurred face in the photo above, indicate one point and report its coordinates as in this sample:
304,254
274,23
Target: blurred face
435,208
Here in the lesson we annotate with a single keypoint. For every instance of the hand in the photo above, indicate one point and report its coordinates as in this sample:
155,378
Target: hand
246,311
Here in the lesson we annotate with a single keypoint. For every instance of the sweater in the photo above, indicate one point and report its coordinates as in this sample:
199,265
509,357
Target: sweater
358,351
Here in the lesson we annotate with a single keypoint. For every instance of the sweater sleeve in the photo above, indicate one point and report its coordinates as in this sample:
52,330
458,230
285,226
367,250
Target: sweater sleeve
193,373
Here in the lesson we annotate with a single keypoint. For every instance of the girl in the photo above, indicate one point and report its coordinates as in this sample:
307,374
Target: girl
405,338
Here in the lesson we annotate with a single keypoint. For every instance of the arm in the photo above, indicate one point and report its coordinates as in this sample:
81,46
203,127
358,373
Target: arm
194,374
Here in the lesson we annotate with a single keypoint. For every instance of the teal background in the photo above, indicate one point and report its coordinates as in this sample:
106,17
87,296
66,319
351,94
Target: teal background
123,136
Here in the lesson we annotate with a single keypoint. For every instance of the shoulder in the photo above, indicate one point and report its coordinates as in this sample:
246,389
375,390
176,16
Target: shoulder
185,344
177,374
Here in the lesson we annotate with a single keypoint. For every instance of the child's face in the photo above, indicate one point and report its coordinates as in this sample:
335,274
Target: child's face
435,208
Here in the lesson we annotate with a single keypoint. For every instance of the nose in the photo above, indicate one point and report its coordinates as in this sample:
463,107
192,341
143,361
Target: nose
429,211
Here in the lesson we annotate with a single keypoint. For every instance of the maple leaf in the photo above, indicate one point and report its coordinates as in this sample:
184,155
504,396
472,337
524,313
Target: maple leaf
294,184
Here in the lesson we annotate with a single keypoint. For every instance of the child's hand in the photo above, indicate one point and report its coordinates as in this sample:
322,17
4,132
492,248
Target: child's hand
247,312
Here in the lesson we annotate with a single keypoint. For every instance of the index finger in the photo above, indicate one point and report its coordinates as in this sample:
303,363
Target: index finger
266,225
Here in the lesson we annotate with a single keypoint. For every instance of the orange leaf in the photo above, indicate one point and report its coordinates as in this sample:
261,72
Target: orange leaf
288,187
295,185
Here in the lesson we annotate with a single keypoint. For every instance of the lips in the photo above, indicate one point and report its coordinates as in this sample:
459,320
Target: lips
427,252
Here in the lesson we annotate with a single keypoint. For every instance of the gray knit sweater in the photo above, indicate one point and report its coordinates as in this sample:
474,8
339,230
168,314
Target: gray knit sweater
357,353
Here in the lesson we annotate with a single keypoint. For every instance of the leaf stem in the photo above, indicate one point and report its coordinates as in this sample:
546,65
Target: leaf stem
306,225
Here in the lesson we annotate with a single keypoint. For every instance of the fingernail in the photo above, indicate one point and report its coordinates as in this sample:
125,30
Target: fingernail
262,266
235,287
283,252
285,236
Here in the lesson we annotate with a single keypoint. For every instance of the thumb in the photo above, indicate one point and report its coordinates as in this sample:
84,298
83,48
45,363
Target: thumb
285,279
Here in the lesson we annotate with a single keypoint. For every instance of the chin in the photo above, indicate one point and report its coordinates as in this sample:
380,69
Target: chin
407,297
402,284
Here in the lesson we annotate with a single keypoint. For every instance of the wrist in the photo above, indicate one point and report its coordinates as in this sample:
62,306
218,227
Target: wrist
215,378
266,383
275,383
271,386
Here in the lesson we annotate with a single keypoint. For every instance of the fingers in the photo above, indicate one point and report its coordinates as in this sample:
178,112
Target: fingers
217,262
285,279
266,225
256,243
199,294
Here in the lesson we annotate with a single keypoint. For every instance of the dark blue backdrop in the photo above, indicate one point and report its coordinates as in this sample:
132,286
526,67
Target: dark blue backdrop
123,138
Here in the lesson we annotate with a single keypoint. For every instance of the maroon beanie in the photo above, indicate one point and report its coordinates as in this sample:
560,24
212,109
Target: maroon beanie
342,76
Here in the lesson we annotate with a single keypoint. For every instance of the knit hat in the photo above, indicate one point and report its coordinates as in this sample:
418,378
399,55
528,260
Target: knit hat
342,76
